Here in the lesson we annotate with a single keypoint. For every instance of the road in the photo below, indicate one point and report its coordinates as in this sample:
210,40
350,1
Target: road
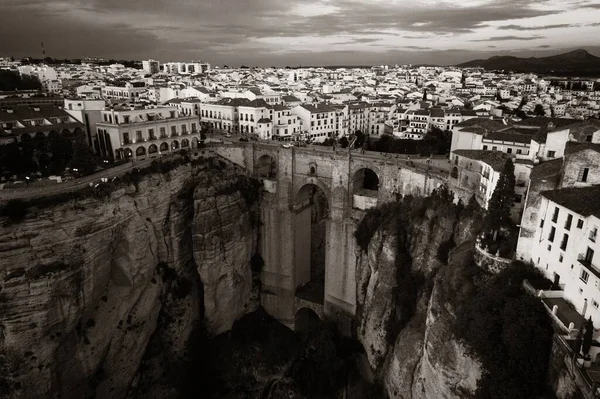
71,185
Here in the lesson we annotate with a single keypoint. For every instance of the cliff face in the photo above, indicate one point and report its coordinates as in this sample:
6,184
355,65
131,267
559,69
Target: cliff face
418,357
83,281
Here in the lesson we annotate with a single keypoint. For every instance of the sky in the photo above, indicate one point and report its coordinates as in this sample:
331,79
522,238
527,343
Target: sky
298,32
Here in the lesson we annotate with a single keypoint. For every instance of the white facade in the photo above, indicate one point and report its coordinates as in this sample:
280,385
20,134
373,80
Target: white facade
565,249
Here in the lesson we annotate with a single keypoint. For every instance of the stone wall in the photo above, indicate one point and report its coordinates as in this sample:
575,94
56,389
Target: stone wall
488,262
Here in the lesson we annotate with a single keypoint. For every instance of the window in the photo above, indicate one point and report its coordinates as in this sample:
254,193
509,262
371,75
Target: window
568,222
151,134
584,276
589,255
494,148
564,242
594,304
163,132
580,224
126,138
593,234
509,150
183,129
552,234
542,223
138,135
549,248
588,138
485,147
519,151
583,174
551,154
560,258
555,215
173,130
518,198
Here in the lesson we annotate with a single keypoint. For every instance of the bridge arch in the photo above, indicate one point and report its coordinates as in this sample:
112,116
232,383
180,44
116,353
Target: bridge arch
266,167
311,216
306,320
365,188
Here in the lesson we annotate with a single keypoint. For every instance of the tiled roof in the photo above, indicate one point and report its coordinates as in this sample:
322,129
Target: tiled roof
582,200
264,120
485,123
509,135
573,146
25,113
543,121
320,107
546,170
436,112
496,159
290,99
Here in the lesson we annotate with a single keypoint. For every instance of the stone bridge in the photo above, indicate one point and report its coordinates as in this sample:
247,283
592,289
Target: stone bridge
351,182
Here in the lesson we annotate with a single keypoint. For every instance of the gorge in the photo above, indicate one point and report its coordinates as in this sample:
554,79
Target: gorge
172,282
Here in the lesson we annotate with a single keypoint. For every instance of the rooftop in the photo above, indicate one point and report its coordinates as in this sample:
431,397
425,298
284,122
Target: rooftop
582,200
496,159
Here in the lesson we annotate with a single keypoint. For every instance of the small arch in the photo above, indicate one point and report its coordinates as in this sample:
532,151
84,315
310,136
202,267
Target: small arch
185,143
65,133
39,136
365,189
306,320
164,147
128,153
266,167
78,131
454,173
25,138
140,151
175,145
153,149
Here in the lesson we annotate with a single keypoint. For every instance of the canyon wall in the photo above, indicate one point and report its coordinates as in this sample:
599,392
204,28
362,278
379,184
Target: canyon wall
415,355
83,280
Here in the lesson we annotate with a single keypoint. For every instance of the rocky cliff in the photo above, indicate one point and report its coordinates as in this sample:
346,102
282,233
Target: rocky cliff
83,279
405,279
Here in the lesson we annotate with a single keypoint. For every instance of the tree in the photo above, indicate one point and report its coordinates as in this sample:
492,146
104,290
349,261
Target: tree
344,142
539,110
360,139
588,336
510,332
84,160
498,214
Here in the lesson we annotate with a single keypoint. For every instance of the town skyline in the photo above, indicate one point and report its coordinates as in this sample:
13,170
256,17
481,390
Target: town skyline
323,32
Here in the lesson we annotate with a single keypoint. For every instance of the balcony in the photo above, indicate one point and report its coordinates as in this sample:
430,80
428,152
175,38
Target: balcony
587,263
592,236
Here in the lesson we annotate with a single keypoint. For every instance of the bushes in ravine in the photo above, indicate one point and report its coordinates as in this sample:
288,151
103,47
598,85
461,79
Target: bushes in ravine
511,334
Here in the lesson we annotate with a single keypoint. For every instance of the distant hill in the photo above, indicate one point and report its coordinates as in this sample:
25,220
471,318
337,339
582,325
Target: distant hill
577,62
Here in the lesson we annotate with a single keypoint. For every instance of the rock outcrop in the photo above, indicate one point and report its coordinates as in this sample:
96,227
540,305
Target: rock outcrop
83,281
415,356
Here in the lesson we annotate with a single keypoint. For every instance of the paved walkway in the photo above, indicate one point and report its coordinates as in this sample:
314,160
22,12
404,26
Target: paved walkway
71,185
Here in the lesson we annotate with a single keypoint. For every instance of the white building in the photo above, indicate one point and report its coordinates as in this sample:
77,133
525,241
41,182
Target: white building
125,92
318,121
566,246
138,132
88,112
151,66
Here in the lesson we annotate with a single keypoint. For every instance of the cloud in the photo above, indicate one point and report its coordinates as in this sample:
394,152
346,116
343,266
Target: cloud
231,31
504,38
525,28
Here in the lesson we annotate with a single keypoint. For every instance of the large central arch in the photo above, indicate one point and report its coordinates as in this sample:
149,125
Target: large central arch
311,216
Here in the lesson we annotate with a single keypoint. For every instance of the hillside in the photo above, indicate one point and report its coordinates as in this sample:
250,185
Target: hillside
577,62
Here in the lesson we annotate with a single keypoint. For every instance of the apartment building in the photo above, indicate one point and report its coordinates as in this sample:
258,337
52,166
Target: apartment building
186,68
286,125
318,121
151,66
128,91
566,246
477,172
358,118
222,115
250,114
140,132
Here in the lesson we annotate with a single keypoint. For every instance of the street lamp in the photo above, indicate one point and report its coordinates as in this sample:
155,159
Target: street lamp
27,181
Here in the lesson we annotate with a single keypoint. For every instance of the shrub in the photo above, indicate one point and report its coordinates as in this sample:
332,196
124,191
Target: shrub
510,332
14,210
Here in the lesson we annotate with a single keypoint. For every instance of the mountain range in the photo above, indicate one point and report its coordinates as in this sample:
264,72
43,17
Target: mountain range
577,62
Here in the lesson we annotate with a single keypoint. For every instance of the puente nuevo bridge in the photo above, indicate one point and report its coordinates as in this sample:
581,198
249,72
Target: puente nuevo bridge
339,185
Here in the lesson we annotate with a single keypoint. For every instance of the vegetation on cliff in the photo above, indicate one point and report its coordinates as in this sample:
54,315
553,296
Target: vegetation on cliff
498,322
510,332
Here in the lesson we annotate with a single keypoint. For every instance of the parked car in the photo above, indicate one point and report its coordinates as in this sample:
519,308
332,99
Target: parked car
287,145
